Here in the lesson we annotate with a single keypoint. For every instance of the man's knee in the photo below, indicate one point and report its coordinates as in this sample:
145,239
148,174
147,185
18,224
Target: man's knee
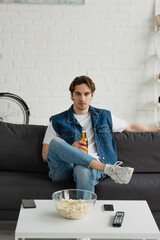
55,141
82,173
55,144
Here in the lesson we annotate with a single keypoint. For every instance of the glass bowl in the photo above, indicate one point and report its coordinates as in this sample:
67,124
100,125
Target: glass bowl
74,203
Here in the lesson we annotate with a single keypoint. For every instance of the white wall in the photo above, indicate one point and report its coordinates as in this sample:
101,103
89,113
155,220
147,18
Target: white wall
44,47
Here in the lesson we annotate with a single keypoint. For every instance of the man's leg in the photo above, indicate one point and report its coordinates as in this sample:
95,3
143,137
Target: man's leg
119,174
86,178
62,158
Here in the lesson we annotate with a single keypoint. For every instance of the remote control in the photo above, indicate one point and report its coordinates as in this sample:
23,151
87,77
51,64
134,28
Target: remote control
118,218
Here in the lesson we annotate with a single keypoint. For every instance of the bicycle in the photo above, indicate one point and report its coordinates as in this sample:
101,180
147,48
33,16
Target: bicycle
13,109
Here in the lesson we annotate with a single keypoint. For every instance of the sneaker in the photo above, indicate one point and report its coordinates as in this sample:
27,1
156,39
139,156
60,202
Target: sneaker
119,174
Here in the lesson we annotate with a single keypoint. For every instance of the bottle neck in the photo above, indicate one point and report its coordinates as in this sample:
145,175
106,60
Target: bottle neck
84,134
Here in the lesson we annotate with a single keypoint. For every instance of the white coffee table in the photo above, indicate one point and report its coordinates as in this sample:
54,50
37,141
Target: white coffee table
44,222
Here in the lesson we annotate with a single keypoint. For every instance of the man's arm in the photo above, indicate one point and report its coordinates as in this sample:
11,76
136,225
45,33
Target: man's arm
78,144
136,127
44,152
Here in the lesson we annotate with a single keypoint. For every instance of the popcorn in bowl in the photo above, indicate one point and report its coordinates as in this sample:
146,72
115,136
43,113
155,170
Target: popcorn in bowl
74,203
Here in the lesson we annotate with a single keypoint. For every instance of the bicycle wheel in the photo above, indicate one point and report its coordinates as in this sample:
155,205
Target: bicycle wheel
13,109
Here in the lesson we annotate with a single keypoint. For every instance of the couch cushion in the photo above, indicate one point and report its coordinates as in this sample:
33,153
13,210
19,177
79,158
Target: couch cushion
139,150
21,147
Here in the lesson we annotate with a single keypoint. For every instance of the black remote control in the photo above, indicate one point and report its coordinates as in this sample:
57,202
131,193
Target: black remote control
118,218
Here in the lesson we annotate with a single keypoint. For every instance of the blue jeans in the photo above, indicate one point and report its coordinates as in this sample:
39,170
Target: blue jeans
67,163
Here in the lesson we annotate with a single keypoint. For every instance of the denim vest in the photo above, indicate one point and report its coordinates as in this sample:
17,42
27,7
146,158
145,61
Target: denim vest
69,129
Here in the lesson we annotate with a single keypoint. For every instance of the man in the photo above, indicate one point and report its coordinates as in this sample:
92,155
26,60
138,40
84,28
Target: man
63,149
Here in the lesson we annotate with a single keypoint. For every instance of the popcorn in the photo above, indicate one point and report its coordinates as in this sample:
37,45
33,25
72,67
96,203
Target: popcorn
73,209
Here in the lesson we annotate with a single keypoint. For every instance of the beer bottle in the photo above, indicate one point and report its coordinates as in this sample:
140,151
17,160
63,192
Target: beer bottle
84,139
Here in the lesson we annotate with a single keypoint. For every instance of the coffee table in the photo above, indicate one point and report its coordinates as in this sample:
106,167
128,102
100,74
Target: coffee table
44,222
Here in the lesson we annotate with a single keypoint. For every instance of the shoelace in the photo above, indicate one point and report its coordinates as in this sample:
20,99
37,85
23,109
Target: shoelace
118,163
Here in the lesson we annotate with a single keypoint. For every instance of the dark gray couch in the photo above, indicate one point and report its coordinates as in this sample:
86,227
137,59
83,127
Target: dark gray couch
23,174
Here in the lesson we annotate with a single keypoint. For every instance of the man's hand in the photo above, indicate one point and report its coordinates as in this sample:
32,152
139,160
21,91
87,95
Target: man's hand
80,145
136,127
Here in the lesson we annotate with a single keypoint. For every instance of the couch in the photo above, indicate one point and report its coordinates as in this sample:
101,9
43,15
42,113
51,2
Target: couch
23,174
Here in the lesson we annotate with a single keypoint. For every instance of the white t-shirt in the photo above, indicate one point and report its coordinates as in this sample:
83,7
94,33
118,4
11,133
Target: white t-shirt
119,125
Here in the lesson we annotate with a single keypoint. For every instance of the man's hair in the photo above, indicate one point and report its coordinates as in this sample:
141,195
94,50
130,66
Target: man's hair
80,80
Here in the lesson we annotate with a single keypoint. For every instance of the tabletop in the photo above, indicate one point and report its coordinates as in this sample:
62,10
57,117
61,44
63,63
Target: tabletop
45,221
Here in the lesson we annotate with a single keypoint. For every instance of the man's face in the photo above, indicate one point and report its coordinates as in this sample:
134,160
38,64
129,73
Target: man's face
82,97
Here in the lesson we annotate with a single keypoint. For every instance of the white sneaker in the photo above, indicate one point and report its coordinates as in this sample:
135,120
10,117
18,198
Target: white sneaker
119,174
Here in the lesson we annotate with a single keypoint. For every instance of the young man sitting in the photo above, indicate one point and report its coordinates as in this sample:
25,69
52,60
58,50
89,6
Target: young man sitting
64,150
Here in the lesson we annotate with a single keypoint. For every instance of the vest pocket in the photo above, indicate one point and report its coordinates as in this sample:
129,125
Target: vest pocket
104,129
105,135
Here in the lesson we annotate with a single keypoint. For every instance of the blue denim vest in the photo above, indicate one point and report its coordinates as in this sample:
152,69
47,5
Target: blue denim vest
69,129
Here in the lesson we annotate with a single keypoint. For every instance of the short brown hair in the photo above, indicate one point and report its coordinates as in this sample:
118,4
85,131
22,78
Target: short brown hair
80,80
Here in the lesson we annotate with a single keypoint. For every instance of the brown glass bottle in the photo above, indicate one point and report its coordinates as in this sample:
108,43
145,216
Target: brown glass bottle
84,139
